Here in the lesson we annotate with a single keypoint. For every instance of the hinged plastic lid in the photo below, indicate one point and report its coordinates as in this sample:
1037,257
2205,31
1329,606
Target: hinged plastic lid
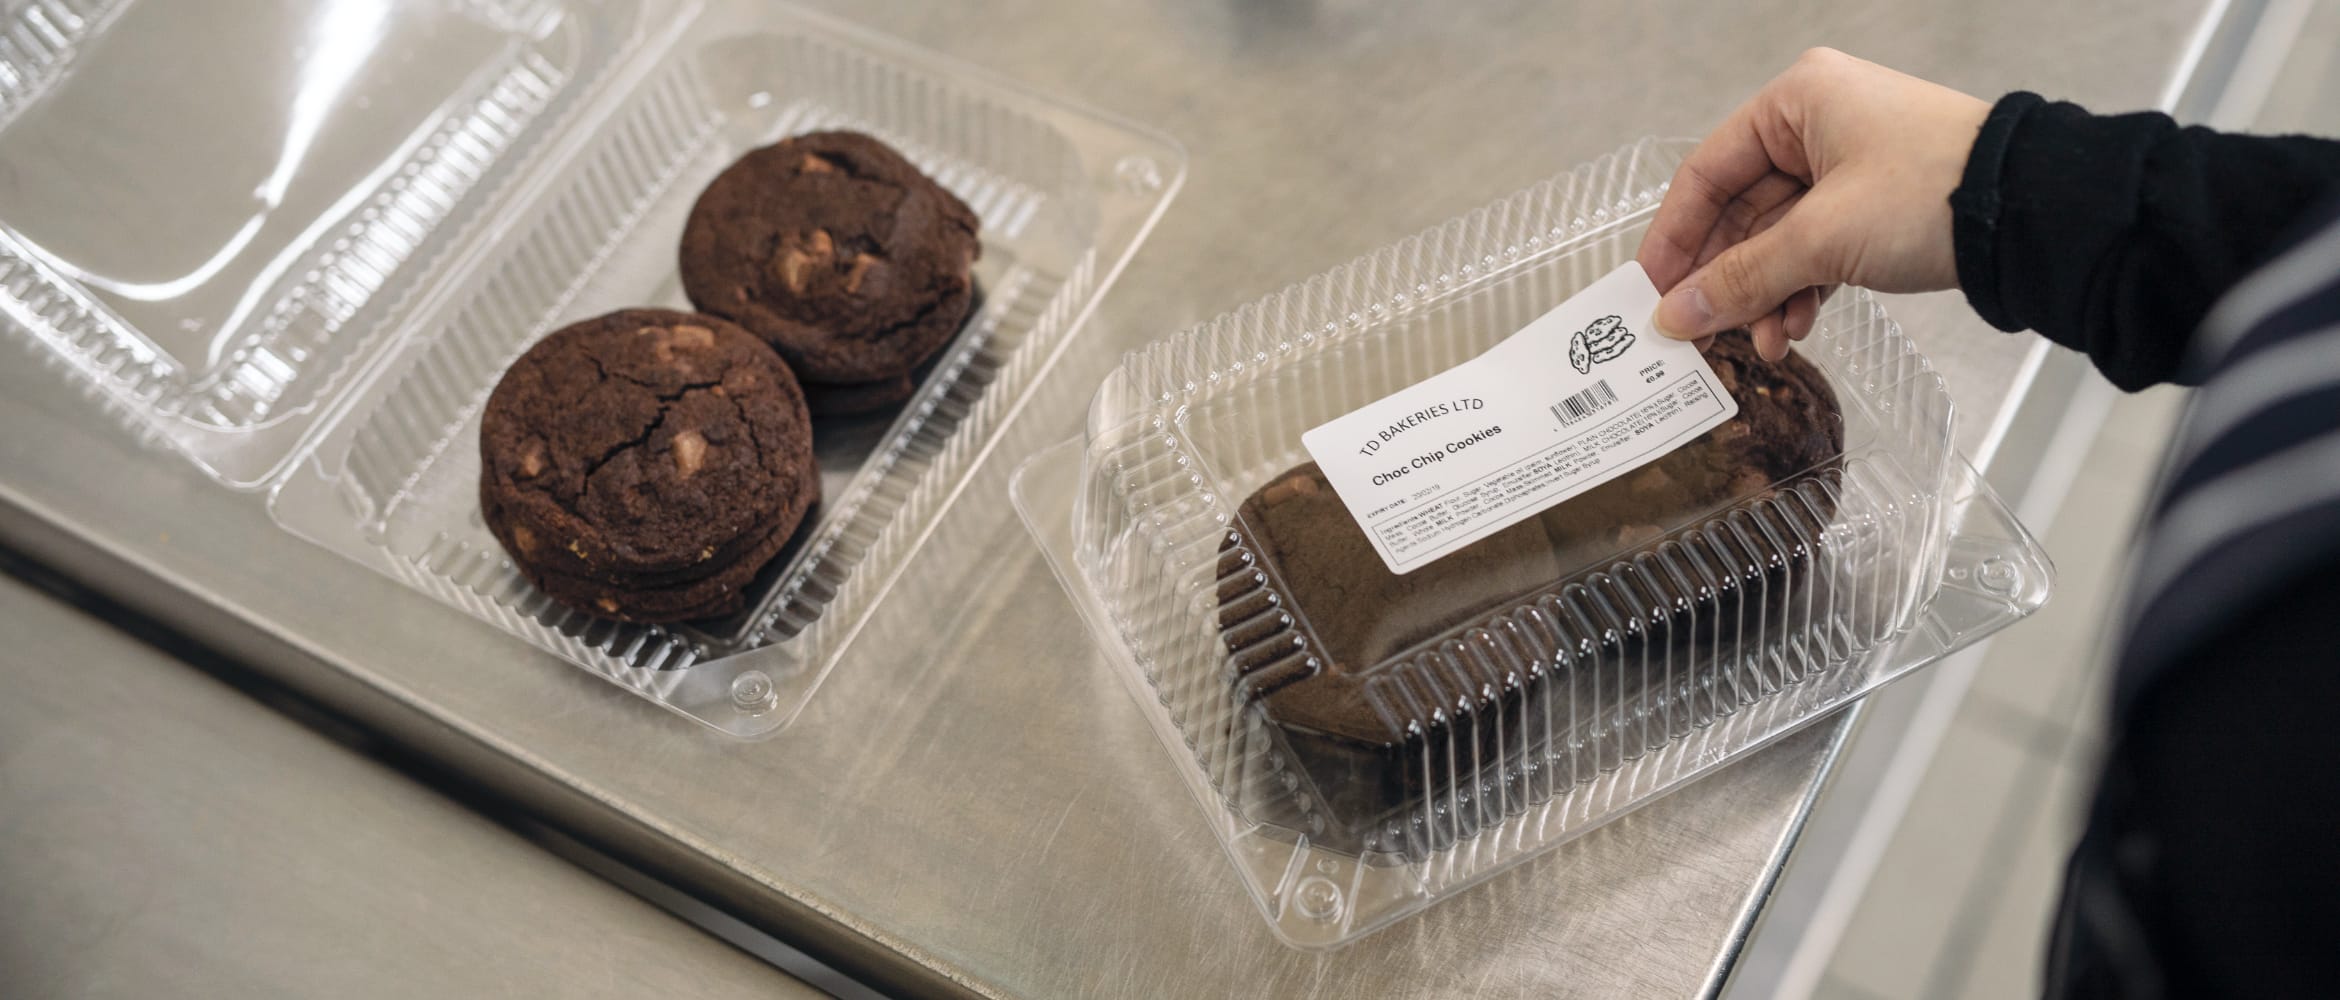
299,241
213,211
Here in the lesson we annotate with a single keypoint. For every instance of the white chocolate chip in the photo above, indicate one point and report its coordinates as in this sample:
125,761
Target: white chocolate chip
792,266
862,264
795,264
690,453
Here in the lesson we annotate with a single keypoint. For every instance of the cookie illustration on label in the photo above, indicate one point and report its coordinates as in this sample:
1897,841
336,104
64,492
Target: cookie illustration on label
1604,339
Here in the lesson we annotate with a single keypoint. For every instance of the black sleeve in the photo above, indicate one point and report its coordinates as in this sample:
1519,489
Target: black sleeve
2113,234
2216,834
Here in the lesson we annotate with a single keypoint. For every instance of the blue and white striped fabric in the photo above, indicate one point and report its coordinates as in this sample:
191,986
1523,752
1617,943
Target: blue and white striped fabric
2252,499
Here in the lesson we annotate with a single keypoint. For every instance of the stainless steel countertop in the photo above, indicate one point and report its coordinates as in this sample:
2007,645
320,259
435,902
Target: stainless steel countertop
971,804
162,834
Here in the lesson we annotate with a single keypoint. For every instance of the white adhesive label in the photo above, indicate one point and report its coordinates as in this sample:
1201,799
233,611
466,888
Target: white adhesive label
1584,394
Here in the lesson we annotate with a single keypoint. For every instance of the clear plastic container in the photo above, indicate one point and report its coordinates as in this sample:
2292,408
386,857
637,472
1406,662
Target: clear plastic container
298,243
1365,747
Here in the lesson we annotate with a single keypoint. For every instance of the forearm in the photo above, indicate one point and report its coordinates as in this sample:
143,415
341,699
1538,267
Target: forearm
2112,235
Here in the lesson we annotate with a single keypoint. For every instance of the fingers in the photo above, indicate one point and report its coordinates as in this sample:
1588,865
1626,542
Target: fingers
1694,203
1753,143
1771,342
1772,331
1758,209
1801,311
1765,203
1743,283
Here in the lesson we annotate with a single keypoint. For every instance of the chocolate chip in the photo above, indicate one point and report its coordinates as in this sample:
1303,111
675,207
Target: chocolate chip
862,265
795,264
690,453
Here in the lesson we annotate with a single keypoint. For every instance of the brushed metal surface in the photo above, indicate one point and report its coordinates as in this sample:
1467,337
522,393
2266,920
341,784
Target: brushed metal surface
162,834
970,805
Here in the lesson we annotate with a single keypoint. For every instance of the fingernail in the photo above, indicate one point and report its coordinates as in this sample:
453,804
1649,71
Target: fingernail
1684,313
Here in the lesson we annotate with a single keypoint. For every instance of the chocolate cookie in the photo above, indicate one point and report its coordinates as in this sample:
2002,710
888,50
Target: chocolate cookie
1309,611
721,592
643,465
837,252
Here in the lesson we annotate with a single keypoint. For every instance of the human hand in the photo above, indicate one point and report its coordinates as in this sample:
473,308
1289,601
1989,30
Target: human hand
1838,171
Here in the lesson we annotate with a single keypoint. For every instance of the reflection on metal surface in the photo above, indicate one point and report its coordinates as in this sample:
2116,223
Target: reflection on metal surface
972,804
177,838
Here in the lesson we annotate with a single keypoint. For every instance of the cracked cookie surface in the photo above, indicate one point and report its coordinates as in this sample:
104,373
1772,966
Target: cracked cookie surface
837,252
646,452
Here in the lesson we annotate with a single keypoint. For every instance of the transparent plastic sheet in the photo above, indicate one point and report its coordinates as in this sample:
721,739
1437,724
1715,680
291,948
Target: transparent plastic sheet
217,244
346,234
1564,693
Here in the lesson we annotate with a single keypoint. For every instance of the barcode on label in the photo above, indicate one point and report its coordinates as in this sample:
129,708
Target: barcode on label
1584,404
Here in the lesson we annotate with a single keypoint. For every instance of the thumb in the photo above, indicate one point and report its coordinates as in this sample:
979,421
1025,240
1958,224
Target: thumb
1746,282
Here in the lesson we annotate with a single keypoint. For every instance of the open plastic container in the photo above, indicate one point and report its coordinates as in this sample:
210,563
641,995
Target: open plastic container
298,242
1545,698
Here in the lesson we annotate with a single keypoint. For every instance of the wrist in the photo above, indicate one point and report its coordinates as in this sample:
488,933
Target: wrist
1978,206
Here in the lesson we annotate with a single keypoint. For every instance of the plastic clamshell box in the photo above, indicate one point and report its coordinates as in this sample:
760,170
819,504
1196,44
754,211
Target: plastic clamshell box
303,264
1552,703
